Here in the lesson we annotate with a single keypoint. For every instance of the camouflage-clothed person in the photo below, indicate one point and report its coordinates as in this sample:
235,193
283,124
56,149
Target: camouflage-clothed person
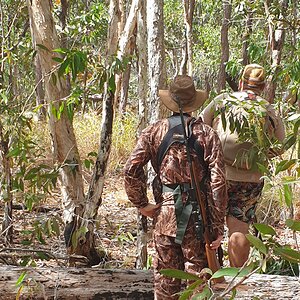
242,199
190,255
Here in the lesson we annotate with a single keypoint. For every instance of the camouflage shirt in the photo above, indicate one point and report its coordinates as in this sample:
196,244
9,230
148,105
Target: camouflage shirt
175,169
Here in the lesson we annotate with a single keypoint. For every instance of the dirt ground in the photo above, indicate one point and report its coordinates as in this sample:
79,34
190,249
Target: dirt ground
116,229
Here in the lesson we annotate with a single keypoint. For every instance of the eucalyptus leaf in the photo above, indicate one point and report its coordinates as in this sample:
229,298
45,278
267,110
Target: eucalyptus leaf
257,243
284,165
21,278
288,254
232,272
265,229
288,195
293,224
205,294
178,274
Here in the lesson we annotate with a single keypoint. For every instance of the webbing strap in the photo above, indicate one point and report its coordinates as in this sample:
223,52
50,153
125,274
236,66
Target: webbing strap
175,127
183,211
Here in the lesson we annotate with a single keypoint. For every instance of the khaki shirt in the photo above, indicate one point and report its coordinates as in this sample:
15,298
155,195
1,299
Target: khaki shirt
228,139
175,169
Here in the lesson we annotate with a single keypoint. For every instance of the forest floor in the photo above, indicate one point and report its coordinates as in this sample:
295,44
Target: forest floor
116,229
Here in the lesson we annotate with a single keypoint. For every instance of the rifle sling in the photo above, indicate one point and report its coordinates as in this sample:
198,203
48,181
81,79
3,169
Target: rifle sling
175,128
183,211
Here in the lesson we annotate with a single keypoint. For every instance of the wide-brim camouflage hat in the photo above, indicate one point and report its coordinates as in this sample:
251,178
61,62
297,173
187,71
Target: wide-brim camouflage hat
182,89
254,75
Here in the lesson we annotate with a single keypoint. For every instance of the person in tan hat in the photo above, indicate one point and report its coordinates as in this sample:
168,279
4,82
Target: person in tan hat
244,182
174,235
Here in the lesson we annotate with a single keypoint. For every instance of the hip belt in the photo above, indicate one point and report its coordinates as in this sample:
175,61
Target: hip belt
183,211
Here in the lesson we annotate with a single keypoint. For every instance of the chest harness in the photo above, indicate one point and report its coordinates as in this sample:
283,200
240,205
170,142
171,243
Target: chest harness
183,210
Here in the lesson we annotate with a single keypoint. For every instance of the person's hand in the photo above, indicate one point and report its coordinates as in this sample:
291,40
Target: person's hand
149,210
216,243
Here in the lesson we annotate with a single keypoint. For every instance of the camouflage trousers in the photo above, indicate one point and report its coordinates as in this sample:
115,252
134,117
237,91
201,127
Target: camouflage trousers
242,199
189,256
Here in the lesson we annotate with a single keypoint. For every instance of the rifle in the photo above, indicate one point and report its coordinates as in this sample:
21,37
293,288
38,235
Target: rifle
199,208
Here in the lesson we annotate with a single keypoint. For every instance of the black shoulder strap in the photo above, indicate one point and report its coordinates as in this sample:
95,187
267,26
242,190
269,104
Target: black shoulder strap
194,144
175,129
173,136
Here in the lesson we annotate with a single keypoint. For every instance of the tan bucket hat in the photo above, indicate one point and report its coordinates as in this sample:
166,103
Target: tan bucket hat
254,75
182,88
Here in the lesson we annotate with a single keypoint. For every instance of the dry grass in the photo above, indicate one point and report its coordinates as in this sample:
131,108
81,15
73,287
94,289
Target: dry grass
87,129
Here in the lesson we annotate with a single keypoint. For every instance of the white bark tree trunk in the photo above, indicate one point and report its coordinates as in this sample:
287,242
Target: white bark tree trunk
63,139
126,46
141,44
155,56
94,199
188,8
224,44
276,42
65,151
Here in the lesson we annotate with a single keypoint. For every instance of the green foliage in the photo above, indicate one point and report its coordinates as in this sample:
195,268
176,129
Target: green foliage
249,120
293,224
73,61
194,281
78,234
232,272
21,278
178,274
33,178
174,25
88,25
275,258
42,228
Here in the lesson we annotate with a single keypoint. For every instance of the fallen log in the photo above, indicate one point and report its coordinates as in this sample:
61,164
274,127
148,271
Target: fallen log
95,283
75,283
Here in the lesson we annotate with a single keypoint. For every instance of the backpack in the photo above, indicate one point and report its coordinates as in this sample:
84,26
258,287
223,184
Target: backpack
175,134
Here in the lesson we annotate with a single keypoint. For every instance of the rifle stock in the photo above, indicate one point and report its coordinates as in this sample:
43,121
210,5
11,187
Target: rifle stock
213,262
211,255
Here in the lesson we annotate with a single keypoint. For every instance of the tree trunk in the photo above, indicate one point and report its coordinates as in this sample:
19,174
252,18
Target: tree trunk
276,42
156,65
113,31
126,44
184,59
65,150
39,82
141,45
174,61
246,36
124,89
224,44
188,8
93,199
6,187
156,56
121,23
39,89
